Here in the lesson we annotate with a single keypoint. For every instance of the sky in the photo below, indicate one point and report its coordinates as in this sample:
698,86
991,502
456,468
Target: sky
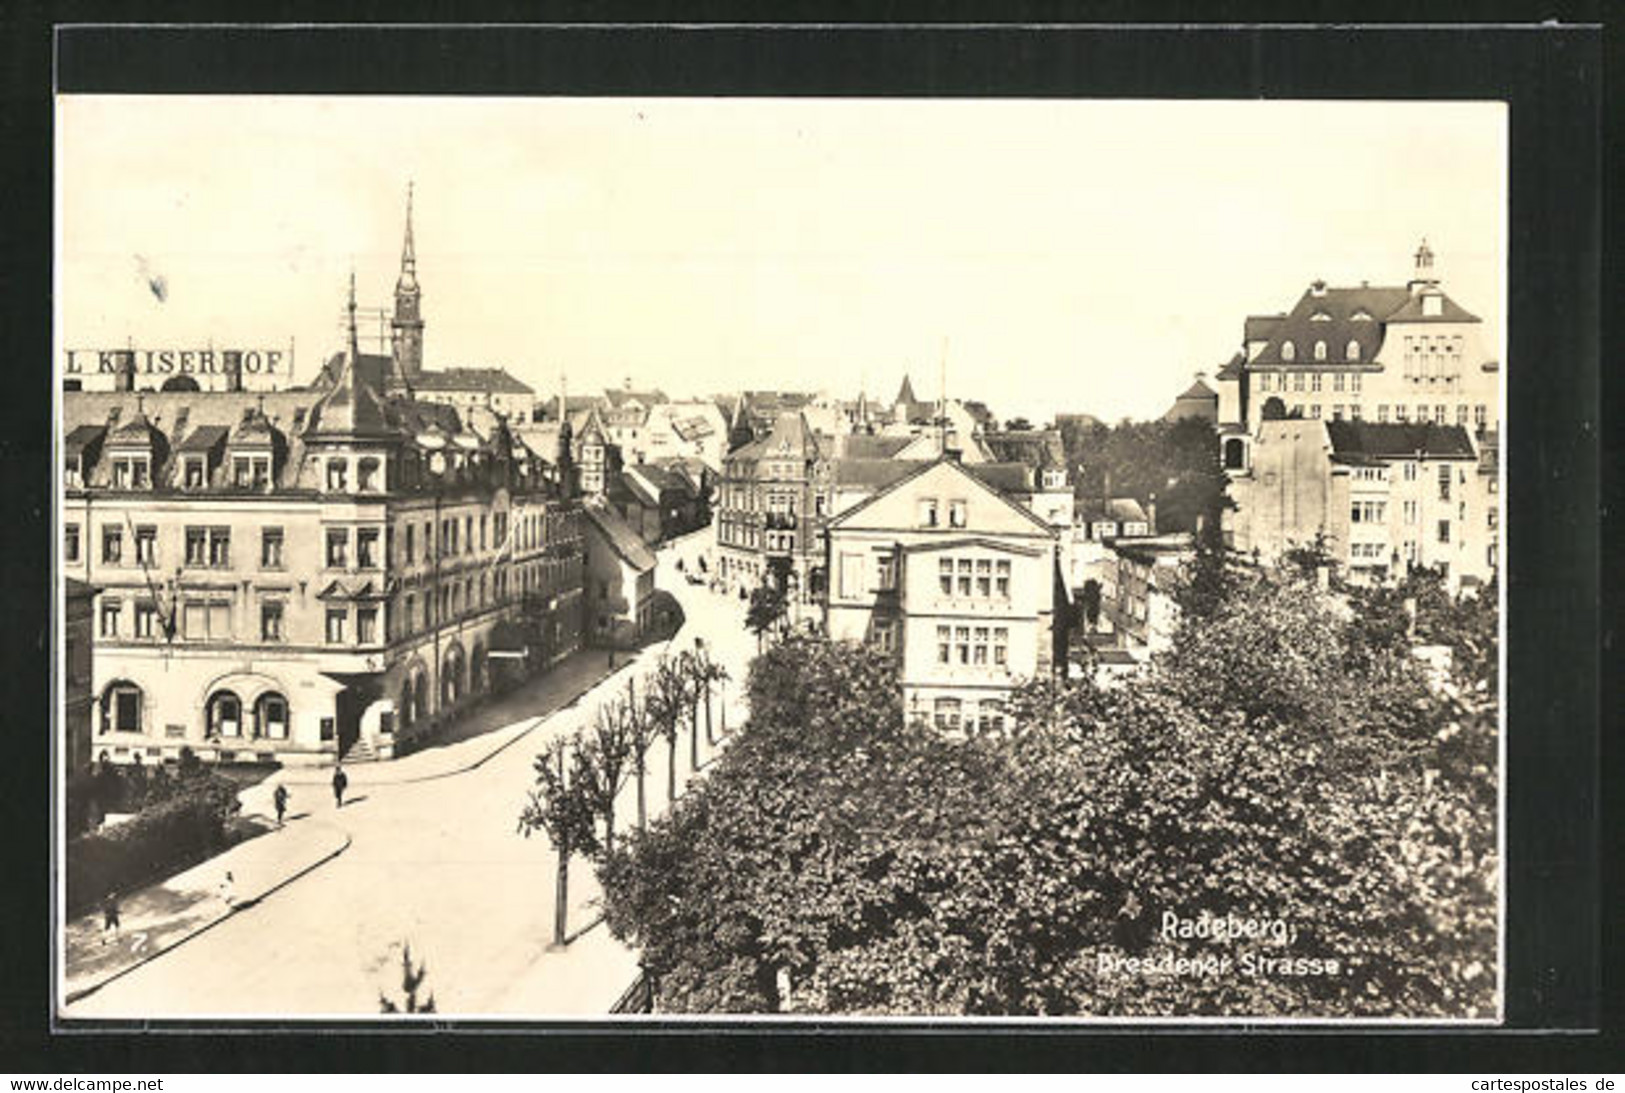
1043,256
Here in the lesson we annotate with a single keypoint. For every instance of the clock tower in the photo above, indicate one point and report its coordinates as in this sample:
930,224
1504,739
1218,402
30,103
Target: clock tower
407,324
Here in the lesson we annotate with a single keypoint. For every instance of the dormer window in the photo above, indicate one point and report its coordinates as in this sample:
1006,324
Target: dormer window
1289,351
1361,316
1054,480
369,476
192,472
338,475
1320,351
1432,305
1351,352
71,468
251,471
1320,317
132,472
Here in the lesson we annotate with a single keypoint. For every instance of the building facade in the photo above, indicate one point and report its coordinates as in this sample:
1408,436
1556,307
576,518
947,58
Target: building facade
1380,498
1387,354
955,581
307,574
620,578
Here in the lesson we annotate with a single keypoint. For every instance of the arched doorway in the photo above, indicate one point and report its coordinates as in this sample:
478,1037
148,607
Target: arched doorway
223,715
271,716
121,707
420,697
452,684
403,705
478,669
1235,454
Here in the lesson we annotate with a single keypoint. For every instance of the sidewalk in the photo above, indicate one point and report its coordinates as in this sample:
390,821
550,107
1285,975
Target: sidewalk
158,918
470,741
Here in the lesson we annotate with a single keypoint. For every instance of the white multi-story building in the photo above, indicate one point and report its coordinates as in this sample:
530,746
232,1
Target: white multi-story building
954,579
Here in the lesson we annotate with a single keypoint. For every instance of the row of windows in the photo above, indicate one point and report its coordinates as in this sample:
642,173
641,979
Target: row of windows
1270,381
223,714
1432,358
931,511
210,620
973,645
210,547
951,715
1351,351
1369,512
985,578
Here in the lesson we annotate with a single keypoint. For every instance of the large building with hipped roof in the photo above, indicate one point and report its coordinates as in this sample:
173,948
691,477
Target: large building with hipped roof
1366,422
306,575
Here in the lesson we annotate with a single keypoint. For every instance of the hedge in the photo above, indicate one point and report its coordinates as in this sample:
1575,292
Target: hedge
162,838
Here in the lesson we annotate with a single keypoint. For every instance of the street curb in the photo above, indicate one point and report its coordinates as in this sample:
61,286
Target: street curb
84,992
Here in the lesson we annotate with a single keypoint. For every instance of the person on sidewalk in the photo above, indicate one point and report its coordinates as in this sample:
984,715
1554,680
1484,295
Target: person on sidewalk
110,922
339,782
279,798
228,886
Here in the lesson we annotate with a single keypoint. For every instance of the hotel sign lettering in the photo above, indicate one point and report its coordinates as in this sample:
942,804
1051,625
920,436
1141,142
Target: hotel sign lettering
188,362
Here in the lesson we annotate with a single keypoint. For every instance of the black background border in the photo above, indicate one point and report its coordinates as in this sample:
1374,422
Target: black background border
1552,78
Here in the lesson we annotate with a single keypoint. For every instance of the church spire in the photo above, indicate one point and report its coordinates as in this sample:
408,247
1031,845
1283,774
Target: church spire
407,324
408,281
355,347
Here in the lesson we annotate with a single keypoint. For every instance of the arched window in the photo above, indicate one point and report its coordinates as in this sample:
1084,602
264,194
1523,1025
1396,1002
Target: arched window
271,716
404,706
1351,352
1320,351
420,697
121,707
1235,454
224,714
1289,352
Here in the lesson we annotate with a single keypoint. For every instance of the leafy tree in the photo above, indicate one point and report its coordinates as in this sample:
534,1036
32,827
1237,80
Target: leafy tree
767,609
411,982
1178,463
559,807
873,865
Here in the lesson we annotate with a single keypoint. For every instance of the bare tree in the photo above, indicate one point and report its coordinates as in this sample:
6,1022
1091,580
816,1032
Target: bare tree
600,763
640,733
663,701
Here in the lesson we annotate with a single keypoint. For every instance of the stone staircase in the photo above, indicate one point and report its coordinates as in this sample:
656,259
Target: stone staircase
360,751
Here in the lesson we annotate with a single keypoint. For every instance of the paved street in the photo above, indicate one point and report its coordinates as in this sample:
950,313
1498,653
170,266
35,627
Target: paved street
436,863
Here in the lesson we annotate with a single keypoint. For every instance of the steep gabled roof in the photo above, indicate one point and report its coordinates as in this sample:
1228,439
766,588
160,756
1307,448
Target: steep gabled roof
871,473
1339,306
1037,448
1449,312
959,468
494,381
859,446
619,535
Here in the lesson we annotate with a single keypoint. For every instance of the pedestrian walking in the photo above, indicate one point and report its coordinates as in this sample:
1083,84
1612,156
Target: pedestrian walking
339,782
110,921
279,798
228,886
